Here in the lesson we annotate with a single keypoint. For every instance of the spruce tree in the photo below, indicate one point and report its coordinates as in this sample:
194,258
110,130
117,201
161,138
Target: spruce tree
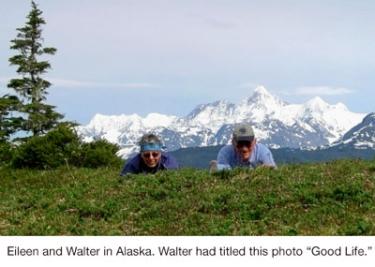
30,86
9,124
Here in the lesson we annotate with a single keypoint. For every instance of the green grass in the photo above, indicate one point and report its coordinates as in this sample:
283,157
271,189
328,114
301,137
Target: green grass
336,198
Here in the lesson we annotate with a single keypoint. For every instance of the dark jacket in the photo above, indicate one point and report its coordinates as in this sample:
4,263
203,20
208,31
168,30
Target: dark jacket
136,165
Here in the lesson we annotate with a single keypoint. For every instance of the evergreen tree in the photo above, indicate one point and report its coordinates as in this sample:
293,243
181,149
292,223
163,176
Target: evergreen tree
31,87
8,123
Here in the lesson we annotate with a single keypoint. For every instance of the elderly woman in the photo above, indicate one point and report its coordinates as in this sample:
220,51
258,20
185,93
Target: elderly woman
150,159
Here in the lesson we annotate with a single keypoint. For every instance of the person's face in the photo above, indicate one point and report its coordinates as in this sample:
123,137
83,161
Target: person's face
151,158
245,148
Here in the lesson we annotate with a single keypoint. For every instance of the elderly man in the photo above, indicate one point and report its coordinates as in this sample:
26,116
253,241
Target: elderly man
243,152
150,159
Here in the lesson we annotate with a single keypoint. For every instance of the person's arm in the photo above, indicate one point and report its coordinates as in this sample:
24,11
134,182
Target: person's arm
171,162
266,158
223,159
130,167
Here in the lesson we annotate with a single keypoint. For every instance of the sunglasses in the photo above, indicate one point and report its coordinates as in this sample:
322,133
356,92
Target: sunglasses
241,144
148,155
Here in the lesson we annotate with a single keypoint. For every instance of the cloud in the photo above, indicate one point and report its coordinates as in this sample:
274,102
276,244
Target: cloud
88,84
321,90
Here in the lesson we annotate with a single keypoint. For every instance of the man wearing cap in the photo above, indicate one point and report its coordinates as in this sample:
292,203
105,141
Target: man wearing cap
150,159
243,152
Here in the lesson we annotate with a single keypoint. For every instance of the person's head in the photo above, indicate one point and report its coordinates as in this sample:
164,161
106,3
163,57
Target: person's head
243,140
151,147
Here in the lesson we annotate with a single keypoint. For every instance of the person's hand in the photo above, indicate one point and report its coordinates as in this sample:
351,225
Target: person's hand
213,166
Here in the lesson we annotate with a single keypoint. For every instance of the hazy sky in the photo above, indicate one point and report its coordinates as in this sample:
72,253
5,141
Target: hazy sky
123,57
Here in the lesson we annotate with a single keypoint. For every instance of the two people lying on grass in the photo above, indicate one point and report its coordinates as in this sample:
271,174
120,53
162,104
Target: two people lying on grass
151,157
244,151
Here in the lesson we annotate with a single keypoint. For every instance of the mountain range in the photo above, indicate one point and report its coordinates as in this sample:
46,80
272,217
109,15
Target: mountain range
276,123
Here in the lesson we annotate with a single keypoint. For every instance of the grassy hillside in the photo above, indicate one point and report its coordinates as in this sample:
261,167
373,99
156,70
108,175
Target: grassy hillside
336,198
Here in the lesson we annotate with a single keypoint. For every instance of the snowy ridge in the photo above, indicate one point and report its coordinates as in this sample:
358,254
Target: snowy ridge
361,136
276,123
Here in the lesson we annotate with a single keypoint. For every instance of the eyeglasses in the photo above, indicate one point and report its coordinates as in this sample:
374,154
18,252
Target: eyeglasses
241,144
148,155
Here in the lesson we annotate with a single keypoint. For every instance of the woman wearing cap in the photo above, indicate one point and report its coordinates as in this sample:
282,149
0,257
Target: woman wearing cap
243,152
151,158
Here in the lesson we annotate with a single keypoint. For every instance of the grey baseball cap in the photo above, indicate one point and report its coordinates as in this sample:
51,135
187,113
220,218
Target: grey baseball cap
243,132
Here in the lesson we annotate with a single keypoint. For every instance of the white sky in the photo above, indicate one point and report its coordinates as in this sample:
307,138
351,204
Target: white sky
141,56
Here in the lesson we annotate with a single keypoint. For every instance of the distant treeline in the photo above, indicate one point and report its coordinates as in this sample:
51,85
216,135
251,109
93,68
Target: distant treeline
199,157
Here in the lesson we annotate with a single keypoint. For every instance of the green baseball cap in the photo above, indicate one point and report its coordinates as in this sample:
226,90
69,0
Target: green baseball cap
243,132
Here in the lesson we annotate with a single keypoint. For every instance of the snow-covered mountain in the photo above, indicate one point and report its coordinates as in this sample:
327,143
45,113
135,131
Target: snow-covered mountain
361,136
276,123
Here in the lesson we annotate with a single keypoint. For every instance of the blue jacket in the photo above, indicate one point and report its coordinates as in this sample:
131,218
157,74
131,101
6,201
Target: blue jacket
136,165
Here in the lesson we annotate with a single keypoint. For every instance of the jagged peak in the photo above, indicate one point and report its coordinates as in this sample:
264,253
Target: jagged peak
316,102
158,120
218,103
215,104
317,99
261,90
261,96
